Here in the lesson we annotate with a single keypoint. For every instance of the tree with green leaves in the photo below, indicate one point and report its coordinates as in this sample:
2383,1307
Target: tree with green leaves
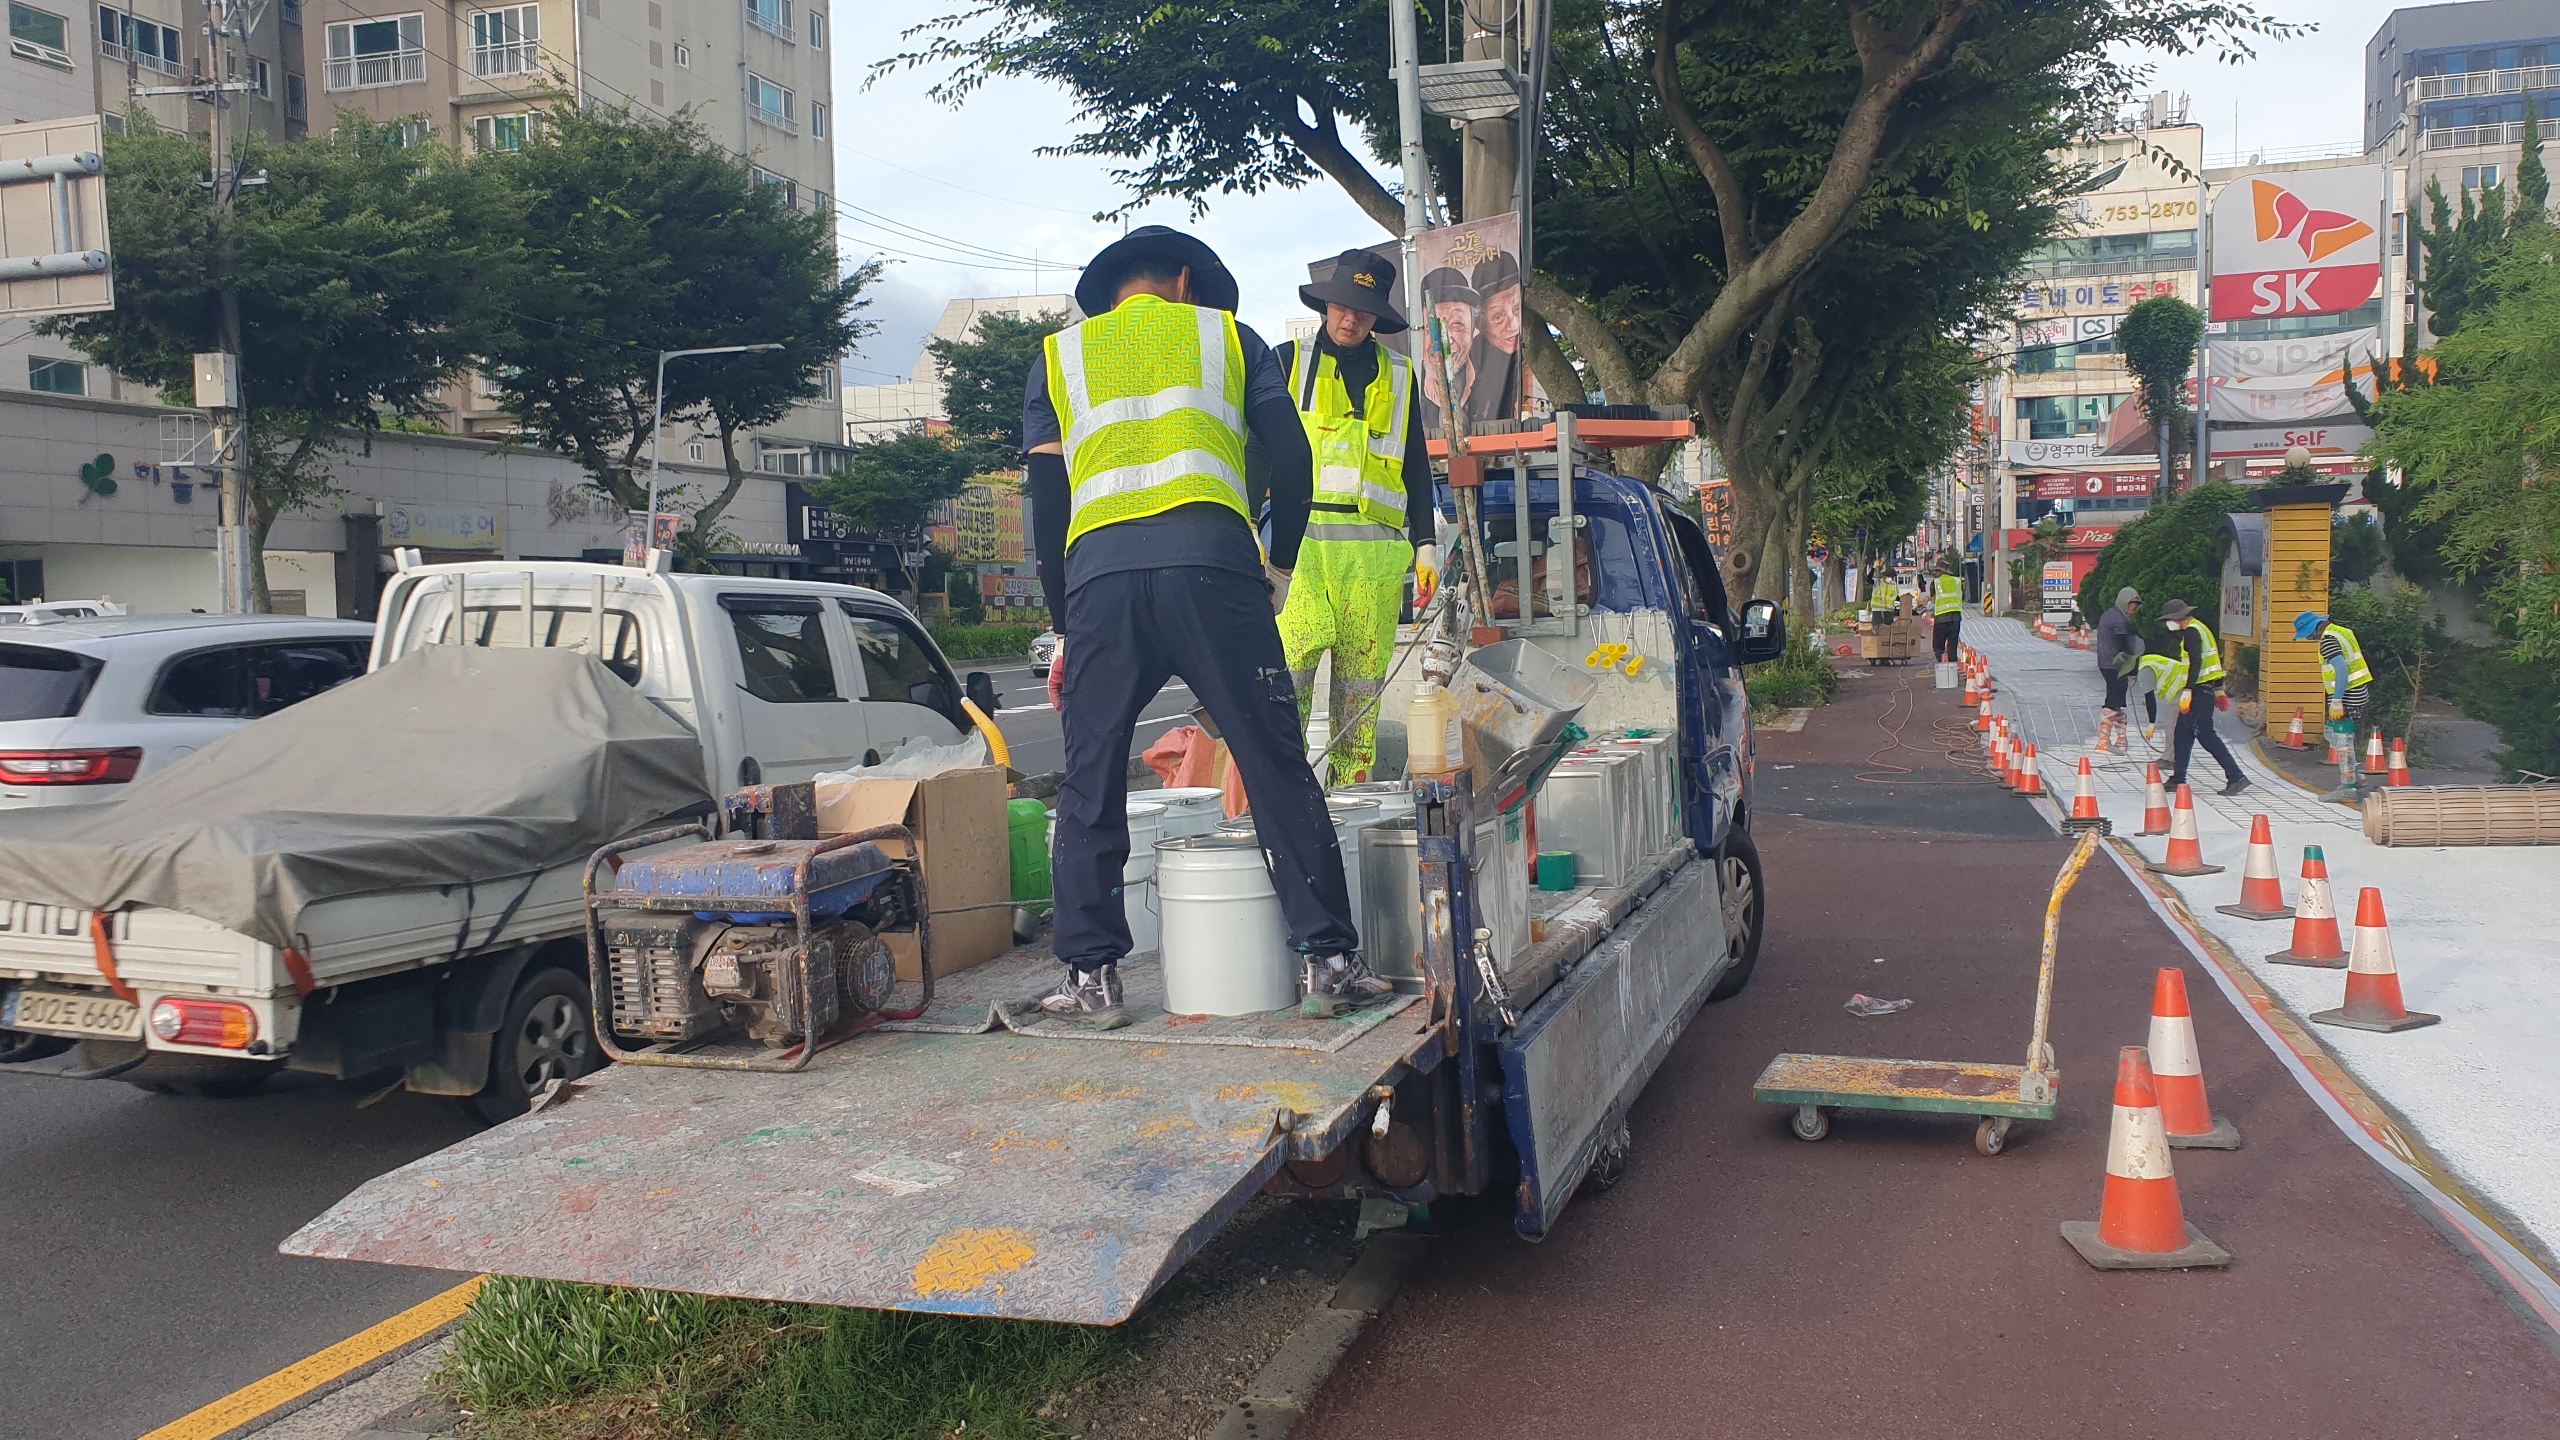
1701,165
2159,339
2533,182
2479,449
644,235
891,485
2457,252
982,380
2166,554
347,279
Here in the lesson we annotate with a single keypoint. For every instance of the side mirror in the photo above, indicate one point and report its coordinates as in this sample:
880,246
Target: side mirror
1764,633
980,687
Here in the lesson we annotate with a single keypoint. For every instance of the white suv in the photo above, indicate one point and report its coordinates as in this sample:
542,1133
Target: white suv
89,705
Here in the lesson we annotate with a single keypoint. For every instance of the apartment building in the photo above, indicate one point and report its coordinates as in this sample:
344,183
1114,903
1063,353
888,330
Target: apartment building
754,73
2446,89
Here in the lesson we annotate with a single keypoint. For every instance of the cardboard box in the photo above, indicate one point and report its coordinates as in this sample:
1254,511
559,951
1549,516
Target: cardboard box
959,822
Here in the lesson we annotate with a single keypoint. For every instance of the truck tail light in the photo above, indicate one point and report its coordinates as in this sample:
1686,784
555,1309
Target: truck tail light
223,1024
70,767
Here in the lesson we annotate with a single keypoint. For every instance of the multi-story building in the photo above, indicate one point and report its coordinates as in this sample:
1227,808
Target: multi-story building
754,73
2065,450
2446,90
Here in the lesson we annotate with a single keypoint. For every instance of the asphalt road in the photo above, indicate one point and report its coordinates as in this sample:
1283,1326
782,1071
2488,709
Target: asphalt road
1888,1280
140,1232
1031,727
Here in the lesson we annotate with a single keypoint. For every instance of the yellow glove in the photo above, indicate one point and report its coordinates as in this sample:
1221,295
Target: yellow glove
2337,711
1426,574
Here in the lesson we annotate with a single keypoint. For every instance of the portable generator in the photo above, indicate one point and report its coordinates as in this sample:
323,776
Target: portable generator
776,940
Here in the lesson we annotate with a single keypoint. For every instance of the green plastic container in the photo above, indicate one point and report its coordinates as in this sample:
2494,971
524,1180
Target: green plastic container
1026,824
1558,870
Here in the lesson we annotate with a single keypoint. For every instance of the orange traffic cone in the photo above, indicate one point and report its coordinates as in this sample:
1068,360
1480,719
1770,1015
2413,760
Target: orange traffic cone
2373,980
2374,764
2399,773
2084,793
2179,1072
2140,1224
1969,697
1998,745
2293,733
2031,774
2332,737
2261,893
2315,919
2155,802
2186,847
1982,716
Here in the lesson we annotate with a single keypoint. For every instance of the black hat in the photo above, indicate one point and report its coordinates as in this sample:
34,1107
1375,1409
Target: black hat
1445,285
2177,610
1098,289
1362,280
1500,273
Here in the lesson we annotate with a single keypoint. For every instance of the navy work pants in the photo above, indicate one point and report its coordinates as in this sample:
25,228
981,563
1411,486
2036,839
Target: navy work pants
1126,634
1944,635
2195,726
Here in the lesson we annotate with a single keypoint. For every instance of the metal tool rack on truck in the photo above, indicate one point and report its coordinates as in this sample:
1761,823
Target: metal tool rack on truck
987,1166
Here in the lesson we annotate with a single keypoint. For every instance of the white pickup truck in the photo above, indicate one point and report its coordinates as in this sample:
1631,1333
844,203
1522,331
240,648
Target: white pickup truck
482,995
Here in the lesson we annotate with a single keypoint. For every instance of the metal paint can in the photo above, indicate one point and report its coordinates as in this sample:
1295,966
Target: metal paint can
1226,944
1391,899
1138,878
1192,810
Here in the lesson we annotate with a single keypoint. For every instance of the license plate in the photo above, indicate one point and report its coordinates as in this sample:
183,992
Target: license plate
29,920
71,1012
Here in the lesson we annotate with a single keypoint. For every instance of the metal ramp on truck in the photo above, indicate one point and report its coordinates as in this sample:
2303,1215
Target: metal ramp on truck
989,1174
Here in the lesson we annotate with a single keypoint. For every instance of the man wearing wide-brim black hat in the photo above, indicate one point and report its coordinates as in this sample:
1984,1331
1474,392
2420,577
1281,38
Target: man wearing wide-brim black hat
1373,521
1134,427
1494,392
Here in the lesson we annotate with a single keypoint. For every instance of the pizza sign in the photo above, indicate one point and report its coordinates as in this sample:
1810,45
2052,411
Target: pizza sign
2295,243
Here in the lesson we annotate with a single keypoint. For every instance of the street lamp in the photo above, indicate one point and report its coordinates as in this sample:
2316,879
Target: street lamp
658,419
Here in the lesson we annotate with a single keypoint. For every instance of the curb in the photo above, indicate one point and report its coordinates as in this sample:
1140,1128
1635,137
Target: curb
1277,1398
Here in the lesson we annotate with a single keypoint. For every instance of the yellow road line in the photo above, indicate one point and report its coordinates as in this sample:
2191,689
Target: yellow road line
304,1376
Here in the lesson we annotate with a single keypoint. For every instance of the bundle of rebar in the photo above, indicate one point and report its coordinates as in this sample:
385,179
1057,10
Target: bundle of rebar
2444,815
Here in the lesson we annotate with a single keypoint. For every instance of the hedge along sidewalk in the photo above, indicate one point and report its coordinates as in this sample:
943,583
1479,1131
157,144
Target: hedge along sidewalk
984,642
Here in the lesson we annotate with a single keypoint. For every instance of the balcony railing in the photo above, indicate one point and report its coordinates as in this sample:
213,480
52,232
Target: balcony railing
2485,137
775,118
772,17
516,57
364,72
2488,82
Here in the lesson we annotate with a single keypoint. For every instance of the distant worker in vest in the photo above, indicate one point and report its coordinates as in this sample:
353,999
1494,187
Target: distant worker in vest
1884,600
1372,520
1946,603
2201,691
2118,651
2163,682
2347,682
1133,433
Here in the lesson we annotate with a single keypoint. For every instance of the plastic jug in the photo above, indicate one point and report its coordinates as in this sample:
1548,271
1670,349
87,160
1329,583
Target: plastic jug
1434,744
1026,825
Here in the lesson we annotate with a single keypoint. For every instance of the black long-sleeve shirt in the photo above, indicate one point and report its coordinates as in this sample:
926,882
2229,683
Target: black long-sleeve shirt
1359,367
1204,533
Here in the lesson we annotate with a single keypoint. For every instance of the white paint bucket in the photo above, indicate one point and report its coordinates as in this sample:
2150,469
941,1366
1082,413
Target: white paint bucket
1226,945
1351,815
1394,797
1192,810
1138,878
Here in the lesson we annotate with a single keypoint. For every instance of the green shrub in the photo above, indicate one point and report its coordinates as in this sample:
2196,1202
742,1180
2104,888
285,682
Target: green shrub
2520,697
1800,676
2167,554
2403,641
632,1362
984,642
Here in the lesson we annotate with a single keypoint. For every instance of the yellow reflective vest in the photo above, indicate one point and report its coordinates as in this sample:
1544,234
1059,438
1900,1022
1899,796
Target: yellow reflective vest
2167,674
1359,458
1950,597
2211,668
2358,673
1150,401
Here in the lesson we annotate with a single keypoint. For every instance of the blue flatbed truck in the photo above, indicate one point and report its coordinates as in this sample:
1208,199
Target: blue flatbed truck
968,1167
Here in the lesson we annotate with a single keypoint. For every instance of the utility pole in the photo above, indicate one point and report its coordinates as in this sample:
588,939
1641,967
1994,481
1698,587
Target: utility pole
217,372
1491,150
1417,171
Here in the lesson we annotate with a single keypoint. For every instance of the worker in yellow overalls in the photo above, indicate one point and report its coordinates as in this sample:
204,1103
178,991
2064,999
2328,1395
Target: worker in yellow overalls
1371,521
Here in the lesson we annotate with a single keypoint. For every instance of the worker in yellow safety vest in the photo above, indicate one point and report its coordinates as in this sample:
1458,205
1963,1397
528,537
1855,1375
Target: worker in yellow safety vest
2346,681
1372,521
2202,692
1134,428
1946,603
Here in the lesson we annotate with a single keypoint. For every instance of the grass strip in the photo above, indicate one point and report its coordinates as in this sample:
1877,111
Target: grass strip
561,1361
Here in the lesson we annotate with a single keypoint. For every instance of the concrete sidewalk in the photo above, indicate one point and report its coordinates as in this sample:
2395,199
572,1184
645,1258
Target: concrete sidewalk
2470,929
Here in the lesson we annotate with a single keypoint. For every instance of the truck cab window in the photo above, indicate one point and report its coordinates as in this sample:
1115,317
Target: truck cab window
898,665
782,649
1699,560
555,627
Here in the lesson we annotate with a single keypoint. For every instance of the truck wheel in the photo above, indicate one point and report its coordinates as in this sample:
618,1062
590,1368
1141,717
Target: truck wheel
549,1034
206,1077
1745,911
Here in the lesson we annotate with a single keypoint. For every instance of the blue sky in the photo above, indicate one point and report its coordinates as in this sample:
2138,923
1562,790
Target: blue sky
970,182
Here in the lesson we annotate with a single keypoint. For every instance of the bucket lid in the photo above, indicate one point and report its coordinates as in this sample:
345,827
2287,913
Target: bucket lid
1143,809
1187,797
1236,825
1342,805
1375,788
1214,840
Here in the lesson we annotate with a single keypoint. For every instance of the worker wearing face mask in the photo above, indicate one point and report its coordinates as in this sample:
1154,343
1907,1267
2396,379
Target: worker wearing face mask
2202,658
1371,522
